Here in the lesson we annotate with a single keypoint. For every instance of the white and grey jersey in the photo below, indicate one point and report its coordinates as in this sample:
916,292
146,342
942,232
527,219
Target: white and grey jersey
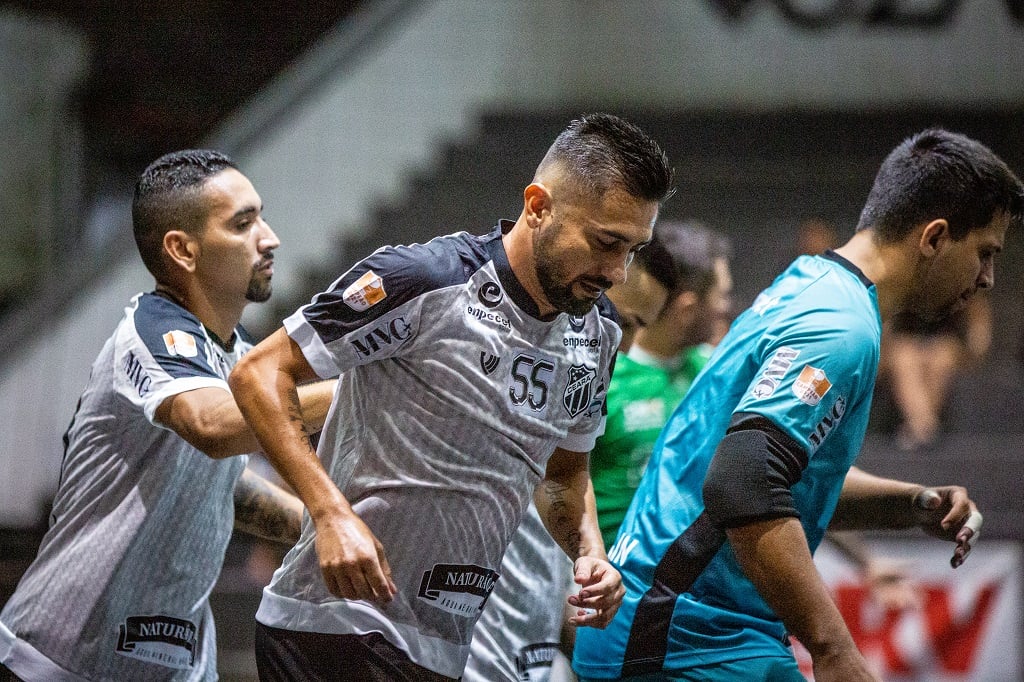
452,395
518,634
140,521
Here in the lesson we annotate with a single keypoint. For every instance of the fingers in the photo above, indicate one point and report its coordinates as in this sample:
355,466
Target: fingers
353,564
593,612
600,595
927,500
966,537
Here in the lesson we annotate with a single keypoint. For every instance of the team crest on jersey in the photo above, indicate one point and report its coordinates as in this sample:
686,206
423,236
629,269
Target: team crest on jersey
461,589
365,292
166,641
811,386
579,389
181,343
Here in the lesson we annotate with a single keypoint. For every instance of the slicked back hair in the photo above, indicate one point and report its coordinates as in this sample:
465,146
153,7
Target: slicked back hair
940,174
602,151
168,197
682,255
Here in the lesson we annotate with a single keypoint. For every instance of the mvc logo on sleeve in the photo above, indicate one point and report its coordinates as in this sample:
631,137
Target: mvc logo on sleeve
365,292
811,386
181,343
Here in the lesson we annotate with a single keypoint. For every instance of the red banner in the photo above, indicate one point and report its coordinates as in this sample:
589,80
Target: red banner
965,627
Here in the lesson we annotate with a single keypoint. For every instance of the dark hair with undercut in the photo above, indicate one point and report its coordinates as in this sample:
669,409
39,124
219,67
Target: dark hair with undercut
940,174
602,151
682,255
167,197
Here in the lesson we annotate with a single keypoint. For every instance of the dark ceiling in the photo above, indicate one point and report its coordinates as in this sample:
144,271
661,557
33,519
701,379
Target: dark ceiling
163,74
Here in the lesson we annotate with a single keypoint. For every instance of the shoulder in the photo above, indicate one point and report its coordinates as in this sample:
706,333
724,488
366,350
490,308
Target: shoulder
160,322
443,261
394,275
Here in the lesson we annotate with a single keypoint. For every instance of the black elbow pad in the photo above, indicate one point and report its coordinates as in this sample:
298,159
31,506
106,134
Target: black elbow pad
751,474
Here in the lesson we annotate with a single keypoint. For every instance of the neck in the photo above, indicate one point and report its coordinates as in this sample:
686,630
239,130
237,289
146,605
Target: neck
662,343
523,261
218,318
885,265
646,356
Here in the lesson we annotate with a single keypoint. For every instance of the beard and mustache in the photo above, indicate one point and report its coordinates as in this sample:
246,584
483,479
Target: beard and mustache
552,280
260,288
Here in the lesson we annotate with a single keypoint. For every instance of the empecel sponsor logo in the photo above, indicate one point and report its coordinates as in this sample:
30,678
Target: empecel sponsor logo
488,316
577,342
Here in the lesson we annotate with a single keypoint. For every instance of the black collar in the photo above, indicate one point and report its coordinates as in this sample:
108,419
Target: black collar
509,282
833,256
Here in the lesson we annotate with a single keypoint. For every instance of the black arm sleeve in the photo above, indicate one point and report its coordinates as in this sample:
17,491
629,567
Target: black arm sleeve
751,474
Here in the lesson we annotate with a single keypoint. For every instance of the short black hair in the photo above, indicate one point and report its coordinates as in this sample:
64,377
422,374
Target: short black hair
601,151
682,255
940,174
167,198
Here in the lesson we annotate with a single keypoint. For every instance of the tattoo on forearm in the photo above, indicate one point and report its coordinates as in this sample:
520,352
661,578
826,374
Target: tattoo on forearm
561,522
295,414
262,510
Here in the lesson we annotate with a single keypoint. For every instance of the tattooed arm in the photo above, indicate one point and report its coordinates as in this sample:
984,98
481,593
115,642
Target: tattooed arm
264,383
209,419
565,502
266,510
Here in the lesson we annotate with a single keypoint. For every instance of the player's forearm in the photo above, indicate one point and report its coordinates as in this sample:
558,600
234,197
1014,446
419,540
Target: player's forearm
269,399
775,557
567,507
266,510
871,502
315,402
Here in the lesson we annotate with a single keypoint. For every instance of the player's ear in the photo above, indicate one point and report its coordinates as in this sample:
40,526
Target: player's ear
933,236
182,249
536,204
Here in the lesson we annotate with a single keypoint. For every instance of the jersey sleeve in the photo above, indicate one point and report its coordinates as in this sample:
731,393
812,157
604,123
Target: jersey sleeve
162,354
812,366
370,312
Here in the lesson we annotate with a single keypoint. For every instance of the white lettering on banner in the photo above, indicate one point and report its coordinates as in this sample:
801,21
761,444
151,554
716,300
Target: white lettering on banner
967,628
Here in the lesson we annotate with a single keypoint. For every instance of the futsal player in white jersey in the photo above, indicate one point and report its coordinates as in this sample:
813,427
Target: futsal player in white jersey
473,371
145,504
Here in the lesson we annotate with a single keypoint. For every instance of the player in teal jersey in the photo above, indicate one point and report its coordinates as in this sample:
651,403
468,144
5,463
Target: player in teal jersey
756,462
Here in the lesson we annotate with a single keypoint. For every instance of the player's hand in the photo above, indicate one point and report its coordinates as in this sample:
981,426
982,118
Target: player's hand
948,513
352,560
600,594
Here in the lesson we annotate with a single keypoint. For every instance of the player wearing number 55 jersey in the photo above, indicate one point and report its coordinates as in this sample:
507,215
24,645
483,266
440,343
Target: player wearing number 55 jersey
473,372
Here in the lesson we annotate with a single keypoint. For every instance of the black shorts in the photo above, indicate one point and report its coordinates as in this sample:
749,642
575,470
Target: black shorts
291,656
